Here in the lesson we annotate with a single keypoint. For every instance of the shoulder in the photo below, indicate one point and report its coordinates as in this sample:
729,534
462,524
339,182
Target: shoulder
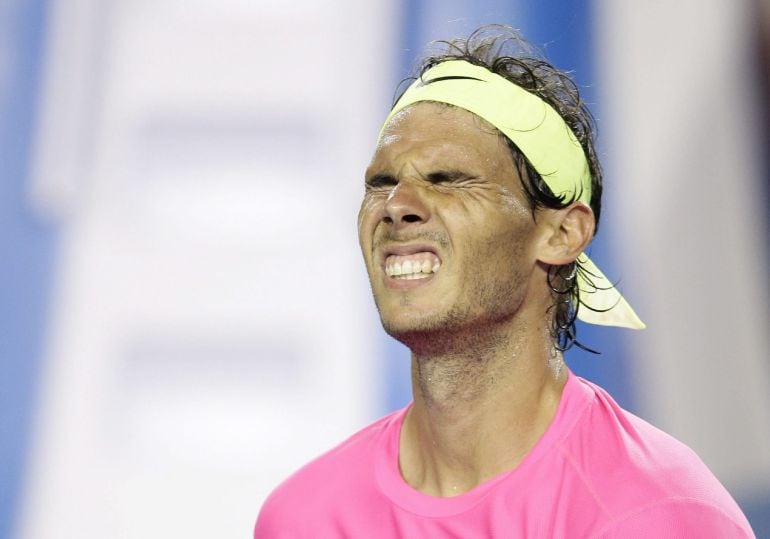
640,476
310,493
677,517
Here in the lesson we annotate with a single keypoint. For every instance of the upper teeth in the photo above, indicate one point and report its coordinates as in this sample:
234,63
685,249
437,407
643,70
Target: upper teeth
414,266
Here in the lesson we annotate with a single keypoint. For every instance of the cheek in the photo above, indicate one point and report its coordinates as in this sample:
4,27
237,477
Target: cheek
368,216
364,212
504,244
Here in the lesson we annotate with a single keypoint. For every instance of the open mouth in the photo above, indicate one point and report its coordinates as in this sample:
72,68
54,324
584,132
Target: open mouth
419,265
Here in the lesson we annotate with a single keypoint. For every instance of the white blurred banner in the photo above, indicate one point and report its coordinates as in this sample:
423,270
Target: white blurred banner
212,328
681,105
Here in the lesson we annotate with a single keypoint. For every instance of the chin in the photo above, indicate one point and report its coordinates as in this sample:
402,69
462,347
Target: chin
396,325
425,339
408,322
415,330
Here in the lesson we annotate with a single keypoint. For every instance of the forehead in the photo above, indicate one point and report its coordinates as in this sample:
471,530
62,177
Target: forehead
441,131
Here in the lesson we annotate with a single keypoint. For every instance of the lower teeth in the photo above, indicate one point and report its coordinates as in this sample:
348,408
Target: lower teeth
411,276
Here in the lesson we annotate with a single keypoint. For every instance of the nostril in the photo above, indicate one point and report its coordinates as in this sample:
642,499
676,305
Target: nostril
387,220
411,218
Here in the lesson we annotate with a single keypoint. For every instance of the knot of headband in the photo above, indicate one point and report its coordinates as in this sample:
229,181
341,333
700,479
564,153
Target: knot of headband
549,145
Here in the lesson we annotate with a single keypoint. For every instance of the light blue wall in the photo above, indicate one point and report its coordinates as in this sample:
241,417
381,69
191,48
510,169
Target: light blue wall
26,245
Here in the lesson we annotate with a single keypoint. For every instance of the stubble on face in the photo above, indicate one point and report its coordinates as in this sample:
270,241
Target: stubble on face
469,324
485,300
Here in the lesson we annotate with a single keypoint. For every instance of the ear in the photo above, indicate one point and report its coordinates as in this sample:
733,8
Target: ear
566,233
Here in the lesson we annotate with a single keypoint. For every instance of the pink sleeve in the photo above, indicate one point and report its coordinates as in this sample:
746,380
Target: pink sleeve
272,522
677,518
264,527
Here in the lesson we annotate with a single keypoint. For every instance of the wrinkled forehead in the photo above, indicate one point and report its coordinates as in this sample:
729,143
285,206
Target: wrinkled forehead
436,115
441,128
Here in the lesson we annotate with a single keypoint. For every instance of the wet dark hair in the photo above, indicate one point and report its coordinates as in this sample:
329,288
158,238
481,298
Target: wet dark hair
503,51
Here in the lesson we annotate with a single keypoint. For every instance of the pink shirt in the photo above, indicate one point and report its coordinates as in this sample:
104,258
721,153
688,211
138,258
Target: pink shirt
598,471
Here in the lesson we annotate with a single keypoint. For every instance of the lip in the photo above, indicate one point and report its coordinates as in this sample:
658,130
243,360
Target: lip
403,250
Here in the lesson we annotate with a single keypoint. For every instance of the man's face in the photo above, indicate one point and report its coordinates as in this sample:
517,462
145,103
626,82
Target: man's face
444,226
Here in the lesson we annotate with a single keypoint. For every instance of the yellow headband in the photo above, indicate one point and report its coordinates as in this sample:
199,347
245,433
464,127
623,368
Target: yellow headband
549,144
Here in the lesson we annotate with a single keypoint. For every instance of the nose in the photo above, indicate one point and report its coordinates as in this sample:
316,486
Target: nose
405,206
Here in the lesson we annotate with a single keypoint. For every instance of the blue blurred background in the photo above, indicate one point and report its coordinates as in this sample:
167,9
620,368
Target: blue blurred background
185,318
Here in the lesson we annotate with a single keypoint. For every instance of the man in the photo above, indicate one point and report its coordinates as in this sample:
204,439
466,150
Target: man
483,193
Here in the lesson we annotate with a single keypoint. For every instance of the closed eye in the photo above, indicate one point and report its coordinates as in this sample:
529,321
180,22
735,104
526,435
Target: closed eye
379,181
449,176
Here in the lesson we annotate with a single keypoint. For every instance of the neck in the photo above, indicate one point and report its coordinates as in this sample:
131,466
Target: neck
482,400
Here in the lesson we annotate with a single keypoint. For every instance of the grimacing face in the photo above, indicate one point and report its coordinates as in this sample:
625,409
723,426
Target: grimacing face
446,232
